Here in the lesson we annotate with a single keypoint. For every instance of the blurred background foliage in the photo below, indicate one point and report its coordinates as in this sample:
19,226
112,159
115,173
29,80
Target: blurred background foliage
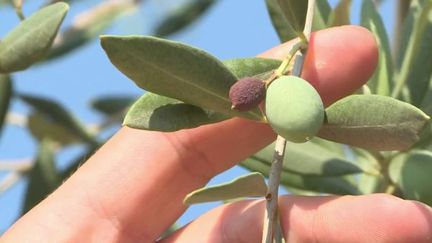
57,126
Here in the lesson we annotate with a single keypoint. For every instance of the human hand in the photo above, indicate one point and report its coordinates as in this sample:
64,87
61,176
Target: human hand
132,189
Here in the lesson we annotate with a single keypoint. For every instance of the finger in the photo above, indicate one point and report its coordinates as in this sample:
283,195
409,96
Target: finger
134,186
371,218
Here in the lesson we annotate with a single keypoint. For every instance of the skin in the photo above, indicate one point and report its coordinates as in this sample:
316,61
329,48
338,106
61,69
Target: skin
132,189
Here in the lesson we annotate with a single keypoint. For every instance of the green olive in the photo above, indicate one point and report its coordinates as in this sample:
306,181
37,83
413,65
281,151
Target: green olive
294,108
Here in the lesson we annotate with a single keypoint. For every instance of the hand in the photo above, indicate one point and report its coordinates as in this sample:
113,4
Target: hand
132,189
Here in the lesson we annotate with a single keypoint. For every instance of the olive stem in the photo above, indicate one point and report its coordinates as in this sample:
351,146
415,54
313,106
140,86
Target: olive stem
284,67
272,216
411,50
272,191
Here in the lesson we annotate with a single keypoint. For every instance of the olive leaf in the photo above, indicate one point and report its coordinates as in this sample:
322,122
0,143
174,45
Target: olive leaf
247,67
183,17
159,113
334,185
295,13
374,122
280,24
43,177
314,158
173,228
382,81
415,7
88,25
250,185
110,105
283,26
321,15
30,41
367,182
411,172
341,14
416,66
6,91
175,70
301,192
42,127
324,10
59,115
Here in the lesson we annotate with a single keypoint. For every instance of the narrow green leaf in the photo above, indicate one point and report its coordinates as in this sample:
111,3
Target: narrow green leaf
341,14
301,192
153,112
367,182
416,68
365,160
250,185
175,70
312,158
321,16
30,41
280,24
415,7
173,228
411,172
382,80
284,29
426,104
59,115
110,105
324,10
42,127
247,67
159,113
183,17
374,122
88,25
334,185
5,97
43,177
425,140
295,13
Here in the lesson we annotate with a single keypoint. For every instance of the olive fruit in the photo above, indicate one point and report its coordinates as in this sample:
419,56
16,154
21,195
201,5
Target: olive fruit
247,93
294,108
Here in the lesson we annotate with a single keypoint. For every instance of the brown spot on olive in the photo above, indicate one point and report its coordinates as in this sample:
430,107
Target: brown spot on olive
247,93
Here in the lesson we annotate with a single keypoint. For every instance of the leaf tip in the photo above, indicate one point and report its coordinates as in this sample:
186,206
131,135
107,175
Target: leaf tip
186,200
105,41
104,38
62,5
107,37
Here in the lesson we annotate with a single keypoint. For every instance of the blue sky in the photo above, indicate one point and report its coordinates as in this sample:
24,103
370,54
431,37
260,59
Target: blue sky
230,29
